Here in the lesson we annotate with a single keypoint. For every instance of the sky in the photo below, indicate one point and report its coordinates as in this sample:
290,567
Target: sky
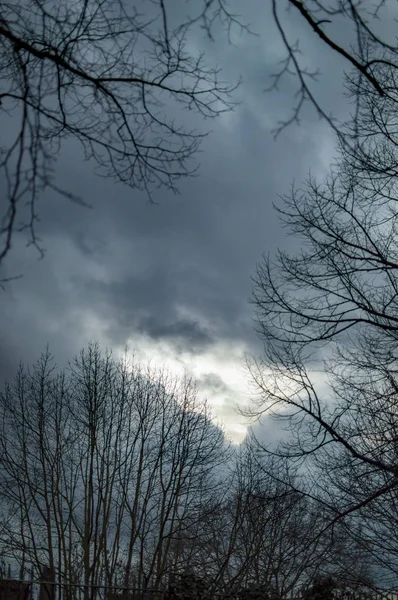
172,280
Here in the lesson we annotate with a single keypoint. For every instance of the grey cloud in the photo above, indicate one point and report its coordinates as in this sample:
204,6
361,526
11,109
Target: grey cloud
133,267
186,333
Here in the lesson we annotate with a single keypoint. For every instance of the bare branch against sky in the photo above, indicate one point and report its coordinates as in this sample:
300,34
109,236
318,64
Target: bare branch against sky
109,77
114,473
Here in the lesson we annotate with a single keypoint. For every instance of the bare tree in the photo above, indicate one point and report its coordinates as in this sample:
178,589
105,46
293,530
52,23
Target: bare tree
104,76
280,543
327,313
104,464
256,537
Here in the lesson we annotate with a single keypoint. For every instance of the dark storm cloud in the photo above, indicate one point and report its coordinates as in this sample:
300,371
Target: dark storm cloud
188,332
195,251
178,270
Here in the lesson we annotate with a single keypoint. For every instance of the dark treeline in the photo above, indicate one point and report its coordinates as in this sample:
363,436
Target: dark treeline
113,474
